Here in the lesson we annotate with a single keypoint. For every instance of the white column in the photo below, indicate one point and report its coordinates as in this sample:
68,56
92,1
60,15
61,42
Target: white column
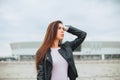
103,56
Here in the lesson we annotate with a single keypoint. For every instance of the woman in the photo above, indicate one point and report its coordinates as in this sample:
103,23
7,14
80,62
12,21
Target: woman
54,60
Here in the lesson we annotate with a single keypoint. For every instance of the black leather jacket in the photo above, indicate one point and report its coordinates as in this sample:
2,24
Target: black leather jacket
45,67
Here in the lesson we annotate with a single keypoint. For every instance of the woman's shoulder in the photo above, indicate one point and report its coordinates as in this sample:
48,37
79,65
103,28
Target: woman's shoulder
67,43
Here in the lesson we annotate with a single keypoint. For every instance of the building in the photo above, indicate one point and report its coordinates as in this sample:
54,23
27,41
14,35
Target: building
89,50
24,50
100,50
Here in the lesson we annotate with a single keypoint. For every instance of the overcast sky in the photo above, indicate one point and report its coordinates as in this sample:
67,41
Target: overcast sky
27,20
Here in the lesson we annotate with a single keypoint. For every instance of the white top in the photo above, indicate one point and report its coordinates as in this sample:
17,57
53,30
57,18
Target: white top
60,66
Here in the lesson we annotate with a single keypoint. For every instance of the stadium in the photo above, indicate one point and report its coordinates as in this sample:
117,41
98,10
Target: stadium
89,50
94,61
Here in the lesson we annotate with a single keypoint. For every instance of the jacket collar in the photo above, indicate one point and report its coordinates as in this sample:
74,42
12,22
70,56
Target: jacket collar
62,51
48,56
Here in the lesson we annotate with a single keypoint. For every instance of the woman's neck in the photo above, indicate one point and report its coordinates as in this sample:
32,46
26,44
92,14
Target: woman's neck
55,44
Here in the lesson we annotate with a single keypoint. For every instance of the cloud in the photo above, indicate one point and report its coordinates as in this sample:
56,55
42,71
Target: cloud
29,19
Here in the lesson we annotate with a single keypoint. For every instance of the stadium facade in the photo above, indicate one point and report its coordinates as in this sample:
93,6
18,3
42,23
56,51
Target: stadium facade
89,50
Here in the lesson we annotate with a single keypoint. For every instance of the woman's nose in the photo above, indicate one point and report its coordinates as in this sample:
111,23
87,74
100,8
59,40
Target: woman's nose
62,30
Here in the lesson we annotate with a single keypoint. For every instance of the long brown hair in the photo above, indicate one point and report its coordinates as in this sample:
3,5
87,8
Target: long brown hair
48,41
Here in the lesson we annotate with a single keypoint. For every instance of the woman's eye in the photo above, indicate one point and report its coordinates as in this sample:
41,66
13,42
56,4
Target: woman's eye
63,28
59,28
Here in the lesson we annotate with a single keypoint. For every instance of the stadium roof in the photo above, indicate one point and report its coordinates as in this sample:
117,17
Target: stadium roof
18,45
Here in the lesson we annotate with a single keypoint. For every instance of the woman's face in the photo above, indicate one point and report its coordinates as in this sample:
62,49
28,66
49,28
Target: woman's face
60,32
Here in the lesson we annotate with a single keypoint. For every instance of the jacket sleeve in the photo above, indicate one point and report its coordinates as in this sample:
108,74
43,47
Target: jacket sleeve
40,75
80,37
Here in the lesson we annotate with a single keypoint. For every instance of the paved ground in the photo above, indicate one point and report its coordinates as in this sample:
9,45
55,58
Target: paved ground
88,70
98,70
